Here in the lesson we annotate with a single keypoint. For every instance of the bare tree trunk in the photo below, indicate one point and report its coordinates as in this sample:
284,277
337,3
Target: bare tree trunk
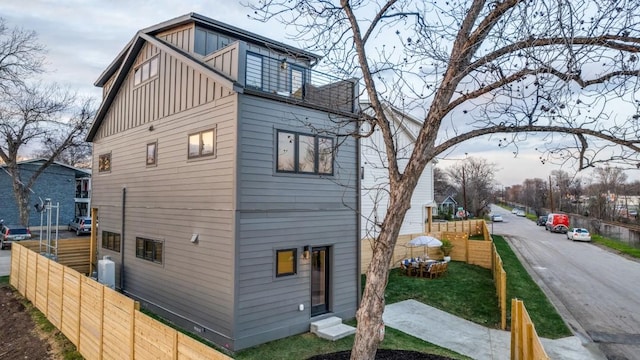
22,196
370,329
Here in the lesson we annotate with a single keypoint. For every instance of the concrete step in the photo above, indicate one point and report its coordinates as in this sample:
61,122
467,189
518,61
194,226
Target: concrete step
331,328
325,323
336,332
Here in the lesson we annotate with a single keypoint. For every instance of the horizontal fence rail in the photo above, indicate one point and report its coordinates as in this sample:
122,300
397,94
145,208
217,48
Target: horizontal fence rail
100,322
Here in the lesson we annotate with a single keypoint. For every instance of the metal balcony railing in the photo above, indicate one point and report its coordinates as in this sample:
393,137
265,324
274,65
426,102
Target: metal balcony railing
283,78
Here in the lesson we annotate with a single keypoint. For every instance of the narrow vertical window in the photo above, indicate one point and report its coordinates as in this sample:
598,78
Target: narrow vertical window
253,76
152,149
325,156
306,153
286,151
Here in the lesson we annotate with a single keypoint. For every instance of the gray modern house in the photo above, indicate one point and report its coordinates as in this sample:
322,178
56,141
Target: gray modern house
219,186
66,186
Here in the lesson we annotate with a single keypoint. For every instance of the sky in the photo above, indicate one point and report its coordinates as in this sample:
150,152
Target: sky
84,36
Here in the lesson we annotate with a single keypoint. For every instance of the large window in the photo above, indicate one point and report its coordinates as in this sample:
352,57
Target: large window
111,241
148,249
202,144
207,42
305,154
286,262
146,71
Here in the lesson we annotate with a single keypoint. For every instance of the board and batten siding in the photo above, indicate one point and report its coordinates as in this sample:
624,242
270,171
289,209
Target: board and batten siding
283,211
169,202
177,88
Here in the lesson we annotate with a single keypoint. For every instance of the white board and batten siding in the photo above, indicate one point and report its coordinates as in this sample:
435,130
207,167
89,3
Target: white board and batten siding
282,211
375,182
177,197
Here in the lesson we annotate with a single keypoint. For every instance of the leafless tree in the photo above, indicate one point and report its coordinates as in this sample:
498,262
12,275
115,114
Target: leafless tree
33,114
567,70
607,186
475,180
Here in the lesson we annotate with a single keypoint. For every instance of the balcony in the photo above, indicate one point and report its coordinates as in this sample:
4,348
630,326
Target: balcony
284,79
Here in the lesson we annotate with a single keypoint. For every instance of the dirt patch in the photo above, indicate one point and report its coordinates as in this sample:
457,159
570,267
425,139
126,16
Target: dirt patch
383,354
21,338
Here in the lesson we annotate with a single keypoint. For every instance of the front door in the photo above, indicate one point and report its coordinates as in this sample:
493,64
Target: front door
320,280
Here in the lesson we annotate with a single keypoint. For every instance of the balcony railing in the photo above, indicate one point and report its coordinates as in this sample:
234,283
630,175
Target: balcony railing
288,80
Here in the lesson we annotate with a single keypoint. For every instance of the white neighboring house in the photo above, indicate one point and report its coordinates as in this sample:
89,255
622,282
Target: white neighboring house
375,178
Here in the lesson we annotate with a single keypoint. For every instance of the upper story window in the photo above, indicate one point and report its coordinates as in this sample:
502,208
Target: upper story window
104,162
152,153
286,262
202,143
304,153
254,71
146,71
206,42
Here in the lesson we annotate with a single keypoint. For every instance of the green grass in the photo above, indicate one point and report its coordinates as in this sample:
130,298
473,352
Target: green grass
4,279
306,345
520,285
616,245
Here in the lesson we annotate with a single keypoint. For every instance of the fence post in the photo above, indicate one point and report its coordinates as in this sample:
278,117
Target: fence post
503,298
132,340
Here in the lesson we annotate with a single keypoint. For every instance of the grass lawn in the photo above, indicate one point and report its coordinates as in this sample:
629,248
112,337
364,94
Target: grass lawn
616,245
520,285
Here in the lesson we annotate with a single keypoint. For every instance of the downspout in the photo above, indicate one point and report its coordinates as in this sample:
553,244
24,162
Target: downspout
122,237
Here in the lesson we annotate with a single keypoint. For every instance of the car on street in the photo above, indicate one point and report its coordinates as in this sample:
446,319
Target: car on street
11,233
514,210
579,234
496,218
557,223
520,212
81,225
542,220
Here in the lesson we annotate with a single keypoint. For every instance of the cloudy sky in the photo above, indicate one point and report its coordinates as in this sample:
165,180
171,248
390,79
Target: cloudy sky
84,36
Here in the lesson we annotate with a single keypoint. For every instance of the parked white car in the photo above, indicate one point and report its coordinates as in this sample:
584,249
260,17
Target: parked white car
580,234
520,212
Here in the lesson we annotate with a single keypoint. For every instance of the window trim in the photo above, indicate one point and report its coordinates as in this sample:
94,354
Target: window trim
200,145
294,257
154,161
105,245
296,153
153,242
102,167
261,75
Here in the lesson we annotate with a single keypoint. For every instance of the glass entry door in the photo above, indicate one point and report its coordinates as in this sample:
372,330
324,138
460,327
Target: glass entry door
320,280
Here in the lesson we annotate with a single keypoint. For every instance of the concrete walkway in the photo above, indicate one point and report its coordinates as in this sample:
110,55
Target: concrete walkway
470,339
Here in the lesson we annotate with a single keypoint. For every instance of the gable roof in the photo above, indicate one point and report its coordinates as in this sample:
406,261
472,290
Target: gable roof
124,61
399,119
43,160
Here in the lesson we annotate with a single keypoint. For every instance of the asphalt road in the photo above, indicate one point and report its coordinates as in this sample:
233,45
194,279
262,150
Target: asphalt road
596,291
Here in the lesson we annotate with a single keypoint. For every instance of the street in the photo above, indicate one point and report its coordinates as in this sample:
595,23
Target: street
594,290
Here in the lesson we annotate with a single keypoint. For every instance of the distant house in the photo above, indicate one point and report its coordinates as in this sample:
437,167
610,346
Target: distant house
446,205
220,194
59,182
375,176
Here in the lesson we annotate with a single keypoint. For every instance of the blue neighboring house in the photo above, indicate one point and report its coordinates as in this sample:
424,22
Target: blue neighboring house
68,186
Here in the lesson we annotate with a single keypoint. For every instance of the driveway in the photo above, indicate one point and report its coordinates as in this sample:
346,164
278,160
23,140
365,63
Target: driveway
595,290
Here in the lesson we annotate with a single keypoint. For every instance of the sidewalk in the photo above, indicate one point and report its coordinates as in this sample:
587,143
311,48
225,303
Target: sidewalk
470,339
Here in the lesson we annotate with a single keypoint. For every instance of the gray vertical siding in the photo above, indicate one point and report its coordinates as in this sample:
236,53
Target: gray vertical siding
280,211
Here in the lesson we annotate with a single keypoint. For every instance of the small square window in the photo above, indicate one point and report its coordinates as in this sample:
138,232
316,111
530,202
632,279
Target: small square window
152,149
104,163
286,261
149,249
111,241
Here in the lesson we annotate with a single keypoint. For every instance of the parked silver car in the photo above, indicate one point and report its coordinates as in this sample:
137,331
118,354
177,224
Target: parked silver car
11,233
81,225
578,234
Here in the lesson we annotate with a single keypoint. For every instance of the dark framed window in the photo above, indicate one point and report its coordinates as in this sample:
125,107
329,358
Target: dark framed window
149,249
304,153
152,153
146,71
104,162
111,241
202,144
253,78
286,262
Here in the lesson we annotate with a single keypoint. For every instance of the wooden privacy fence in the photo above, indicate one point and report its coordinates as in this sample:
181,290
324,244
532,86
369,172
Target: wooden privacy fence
525,343
472,227
100,322
73,253
500,281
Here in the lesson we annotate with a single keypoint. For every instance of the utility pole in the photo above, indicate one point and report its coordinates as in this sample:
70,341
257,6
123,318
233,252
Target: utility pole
550,195
464,193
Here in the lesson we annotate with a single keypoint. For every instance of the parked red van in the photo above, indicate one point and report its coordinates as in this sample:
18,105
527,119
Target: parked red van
557,223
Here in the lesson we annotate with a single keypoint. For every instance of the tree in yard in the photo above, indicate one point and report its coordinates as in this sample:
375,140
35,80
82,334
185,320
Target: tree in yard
472,69
475,181
32,113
